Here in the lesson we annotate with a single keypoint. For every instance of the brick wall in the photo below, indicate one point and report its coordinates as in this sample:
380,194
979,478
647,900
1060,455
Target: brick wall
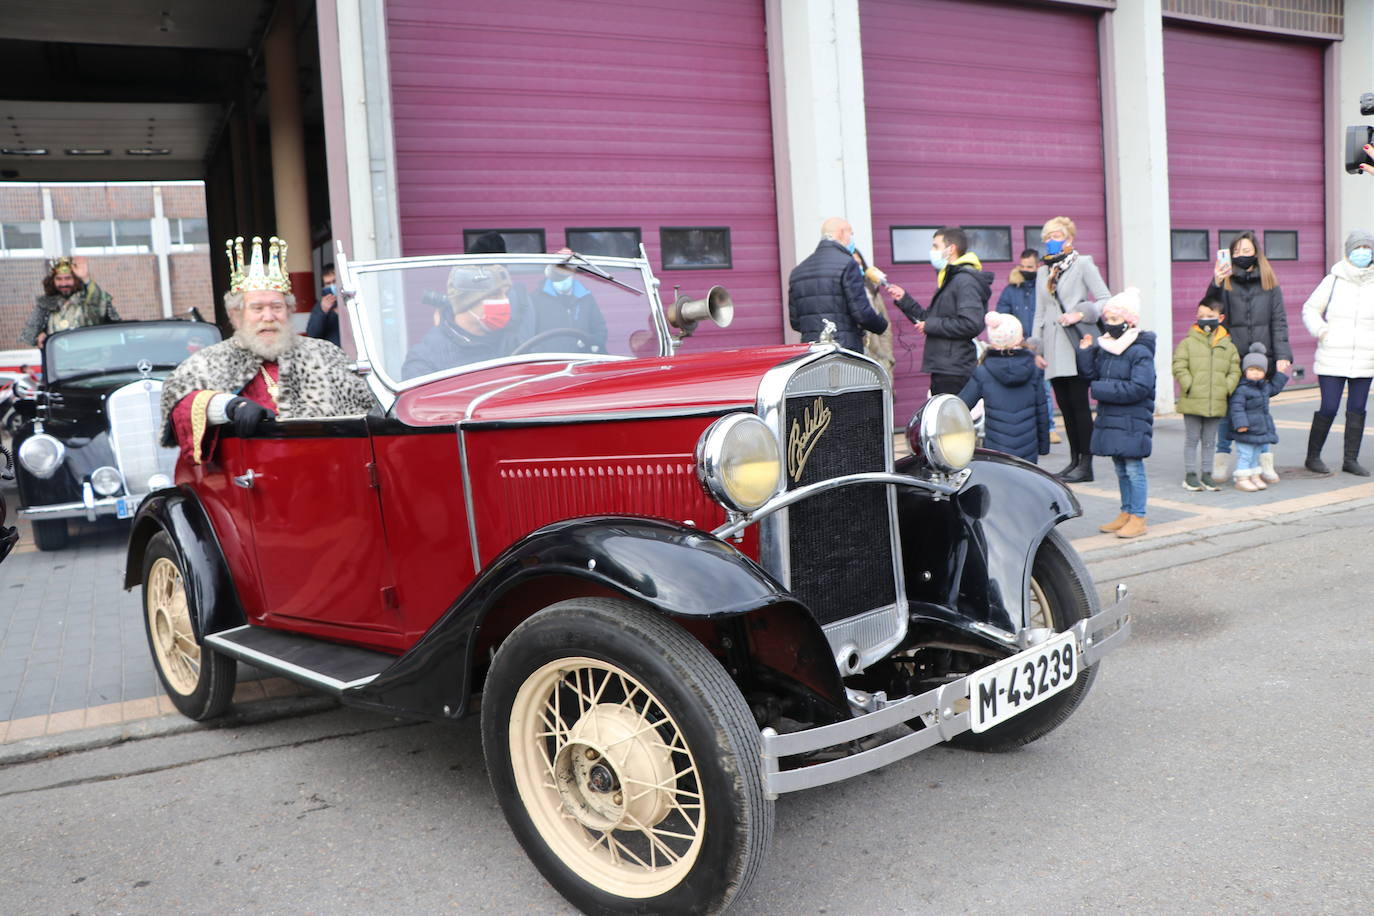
20,280
191,287
21,205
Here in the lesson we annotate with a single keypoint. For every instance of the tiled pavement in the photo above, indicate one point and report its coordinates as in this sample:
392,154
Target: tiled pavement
73,653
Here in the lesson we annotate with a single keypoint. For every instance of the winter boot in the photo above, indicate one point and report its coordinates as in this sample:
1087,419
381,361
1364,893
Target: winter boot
1115,524
1246,482
1354,435
1267,471
1082,472
1068,468
1316,438
1133,528
1221,467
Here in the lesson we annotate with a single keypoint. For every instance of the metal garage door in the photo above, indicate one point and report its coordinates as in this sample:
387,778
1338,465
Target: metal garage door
1246,147
979,114
631,115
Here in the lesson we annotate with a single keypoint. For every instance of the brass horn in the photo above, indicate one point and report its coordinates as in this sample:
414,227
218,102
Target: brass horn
684,313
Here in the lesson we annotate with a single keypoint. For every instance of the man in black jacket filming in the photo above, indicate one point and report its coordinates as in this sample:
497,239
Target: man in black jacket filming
955,314
829,285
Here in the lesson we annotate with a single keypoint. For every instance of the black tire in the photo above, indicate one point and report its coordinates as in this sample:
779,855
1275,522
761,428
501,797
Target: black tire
1068,587
50,534
199,681
719,850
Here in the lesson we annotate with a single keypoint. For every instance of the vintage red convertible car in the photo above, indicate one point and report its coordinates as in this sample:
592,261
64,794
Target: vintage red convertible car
674,586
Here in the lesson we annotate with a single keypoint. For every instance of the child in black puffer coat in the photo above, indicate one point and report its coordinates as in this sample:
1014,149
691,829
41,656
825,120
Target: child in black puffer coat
1012,388
1252,426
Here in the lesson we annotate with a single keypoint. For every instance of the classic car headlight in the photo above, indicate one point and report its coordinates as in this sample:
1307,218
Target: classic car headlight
942,432
42,455
738,461
159,482
106,480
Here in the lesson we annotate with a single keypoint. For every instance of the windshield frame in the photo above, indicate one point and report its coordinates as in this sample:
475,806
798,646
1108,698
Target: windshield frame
157,369
349,274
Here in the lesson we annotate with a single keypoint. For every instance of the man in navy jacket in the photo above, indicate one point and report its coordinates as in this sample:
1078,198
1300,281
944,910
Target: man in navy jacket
829,285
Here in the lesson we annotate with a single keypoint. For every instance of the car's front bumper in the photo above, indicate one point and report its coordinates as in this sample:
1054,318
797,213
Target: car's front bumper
90,508
938,709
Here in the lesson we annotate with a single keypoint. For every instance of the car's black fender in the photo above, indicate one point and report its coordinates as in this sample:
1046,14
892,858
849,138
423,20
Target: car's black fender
210,589
680,572
973,552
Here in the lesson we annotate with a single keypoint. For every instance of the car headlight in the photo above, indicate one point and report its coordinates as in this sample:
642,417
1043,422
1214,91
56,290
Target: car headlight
106,481
739,462
41,455
942,432
159,482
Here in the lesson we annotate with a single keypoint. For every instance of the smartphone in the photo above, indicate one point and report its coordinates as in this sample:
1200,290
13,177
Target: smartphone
1223,257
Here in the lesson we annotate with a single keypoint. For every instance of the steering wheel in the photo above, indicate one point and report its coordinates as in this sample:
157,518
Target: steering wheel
550,333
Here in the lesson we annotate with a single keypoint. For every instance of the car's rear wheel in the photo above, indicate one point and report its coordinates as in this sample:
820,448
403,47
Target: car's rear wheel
199,681
1061,595
626,761
50,534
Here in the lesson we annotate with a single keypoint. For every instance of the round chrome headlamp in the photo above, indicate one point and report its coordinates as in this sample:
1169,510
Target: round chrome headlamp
739,462
159,481
42,455
942,432
106,480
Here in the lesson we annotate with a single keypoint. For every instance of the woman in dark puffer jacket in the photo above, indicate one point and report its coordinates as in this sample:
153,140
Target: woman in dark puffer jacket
1016,414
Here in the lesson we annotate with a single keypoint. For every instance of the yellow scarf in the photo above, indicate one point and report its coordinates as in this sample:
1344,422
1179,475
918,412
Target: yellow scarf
967,257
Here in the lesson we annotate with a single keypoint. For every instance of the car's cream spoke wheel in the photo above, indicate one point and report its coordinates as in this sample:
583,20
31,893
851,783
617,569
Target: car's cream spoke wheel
169,622
1040,616
607,777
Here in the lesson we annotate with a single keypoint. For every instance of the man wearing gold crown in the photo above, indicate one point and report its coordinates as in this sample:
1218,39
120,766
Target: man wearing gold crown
264,370
70,300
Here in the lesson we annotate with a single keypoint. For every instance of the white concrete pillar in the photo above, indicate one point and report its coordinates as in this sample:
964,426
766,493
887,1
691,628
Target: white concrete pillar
288,151
1350,72
820,135
50,229
162,245
1137,171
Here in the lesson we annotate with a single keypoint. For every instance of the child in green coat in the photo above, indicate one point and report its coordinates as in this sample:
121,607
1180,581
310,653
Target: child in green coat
1207,367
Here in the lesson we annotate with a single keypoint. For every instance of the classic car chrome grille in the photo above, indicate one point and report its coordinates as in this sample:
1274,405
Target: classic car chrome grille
840,549
135,417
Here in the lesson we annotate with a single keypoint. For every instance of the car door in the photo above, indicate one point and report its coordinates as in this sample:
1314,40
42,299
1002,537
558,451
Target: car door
317,526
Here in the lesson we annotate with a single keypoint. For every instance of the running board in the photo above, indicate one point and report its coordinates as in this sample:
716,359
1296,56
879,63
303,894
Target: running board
326,666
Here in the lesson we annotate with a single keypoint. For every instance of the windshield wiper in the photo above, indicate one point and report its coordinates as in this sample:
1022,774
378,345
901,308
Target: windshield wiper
587,267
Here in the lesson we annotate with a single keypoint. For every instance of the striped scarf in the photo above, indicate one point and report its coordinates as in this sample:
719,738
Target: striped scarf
1058,264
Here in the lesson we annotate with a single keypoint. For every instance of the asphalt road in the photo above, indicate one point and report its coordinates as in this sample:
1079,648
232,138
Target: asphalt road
1220,764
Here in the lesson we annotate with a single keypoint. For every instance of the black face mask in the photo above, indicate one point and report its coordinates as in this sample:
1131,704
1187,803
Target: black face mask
1245,261
1209,324
1115,330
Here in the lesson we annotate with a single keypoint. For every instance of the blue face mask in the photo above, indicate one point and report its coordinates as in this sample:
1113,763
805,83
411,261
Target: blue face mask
1361,257
850,247
563,287
1054,246
329,290
938,259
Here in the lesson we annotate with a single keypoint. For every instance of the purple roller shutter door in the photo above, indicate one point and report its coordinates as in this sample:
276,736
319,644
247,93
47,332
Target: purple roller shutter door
1246,147
527,114
979,114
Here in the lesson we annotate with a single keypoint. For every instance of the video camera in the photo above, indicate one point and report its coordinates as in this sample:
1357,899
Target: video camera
1357,136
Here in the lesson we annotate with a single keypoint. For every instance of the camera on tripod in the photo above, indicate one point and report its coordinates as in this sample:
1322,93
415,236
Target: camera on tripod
1358,136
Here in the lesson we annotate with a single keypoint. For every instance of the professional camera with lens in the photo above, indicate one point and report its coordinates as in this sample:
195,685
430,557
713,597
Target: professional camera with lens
1358,136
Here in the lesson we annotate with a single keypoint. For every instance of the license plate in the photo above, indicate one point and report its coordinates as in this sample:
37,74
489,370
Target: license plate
123,509
1013,685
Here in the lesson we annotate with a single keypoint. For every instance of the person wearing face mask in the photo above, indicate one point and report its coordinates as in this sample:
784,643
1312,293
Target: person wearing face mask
828,285
485,320
1120,371
1340,314
1069,296
324,317
955,314
1207,367
1018,299
563,303
1252,302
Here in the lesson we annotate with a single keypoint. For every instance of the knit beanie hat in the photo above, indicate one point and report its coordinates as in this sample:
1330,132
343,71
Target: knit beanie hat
1256,358
1127,304
1358,239
1004,331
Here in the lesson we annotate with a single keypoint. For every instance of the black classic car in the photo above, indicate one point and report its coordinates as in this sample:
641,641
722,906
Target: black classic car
87,441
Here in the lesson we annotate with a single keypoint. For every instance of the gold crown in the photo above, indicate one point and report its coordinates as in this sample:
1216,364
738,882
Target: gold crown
258,276
60,266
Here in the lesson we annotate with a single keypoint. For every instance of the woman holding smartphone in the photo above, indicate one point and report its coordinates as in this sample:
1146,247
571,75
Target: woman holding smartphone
1248,287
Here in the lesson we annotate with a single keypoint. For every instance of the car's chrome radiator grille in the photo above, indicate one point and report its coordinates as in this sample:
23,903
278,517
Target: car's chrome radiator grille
839,543
135,417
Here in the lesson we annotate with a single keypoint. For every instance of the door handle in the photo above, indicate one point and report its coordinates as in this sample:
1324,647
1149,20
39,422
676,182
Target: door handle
246,480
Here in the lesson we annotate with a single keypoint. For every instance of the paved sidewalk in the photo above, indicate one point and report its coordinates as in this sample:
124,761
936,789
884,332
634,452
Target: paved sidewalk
73,654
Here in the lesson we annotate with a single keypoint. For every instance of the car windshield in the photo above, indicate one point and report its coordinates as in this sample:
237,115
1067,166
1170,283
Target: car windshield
432,316
117,348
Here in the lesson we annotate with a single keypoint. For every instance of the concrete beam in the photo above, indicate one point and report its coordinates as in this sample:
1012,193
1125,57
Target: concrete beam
1350,72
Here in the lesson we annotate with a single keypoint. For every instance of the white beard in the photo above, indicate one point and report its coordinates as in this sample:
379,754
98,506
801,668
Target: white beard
268,351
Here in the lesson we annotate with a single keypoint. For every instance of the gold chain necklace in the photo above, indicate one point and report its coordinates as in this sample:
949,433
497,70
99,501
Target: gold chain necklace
272,387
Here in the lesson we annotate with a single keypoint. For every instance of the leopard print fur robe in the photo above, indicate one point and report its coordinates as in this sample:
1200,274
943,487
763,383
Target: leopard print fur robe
314,380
